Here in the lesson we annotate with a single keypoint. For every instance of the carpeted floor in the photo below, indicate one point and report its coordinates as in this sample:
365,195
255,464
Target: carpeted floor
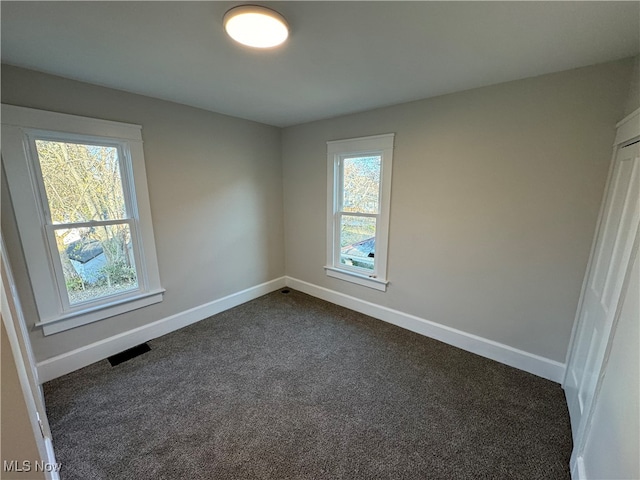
290,387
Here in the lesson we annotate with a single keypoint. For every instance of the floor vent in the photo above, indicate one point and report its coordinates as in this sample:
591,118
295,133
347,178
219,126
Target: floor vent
118,358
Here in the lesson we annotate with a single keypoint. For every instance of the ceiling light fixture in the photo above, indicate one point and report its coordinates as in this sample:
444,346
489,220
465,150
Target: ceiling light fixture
256,26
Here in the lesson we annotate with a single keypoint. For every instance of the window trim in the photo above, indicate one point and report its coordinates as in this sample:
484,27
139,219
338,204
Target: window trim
337,151
20,127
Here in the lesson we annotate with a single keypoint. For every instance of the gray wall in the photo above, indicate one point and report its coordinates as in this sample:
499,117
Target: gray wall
215,185
495,196
633,98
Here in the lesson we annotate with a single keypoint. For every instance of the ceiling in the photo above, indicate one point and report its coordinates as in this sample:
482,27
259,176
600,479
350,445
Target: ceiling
341,57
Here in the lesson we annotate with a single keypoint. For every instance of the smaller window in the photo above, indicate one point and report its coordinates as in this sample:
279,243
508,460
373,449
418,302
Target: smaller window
359,195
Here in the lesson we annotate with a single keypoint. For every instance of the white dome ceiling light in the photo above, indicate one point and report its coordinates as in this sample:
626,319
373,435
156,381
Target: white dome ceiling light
256,26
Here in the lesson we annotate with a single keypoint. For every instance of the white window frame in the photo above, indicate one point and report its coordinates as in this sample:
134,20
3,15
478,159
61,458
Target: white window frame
337,151
20,128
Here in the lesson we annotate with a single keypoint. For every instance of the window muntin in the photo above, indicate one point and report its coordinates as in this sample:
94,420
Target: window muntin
358,209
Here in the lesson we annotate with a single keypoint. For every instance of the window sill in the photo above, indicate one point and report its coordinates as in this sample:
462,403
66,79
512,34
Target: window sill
357,278
100,312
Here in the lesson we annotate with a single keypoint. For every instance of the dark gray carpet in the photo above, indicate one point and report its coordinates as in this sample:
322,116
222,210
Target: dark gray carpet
288,386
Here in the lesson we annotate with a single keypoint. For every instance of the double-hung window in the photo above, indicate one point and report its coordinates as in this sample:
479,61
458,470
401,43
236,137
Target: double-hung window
359,195
79,191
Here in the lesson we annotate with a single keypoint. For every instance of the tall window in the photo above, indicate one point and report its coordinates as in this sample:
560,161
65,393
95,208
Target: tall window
85,227
89,217
358,209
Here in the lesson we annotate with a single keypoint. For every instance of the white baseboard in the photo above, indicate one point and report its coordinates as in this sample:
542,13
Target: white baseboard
68,362
529,362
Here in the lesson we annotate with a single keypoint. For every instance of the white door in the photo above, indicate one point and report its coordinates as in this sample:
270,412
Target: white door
605,278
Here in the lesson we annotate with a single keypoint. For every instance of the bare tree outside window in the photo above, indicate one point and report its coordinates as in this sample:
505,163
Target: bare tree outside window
86,204
360,197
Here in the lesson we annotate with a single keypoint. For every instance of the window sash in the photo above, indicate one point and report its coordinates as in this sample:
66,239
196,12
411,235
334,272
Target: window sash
130,218
339,199
63,293
337,263
339,212
124,167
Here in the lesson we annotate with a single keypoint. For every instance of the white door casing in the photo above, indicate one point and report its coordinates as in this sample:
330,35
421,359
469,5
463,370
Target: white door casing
615,246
